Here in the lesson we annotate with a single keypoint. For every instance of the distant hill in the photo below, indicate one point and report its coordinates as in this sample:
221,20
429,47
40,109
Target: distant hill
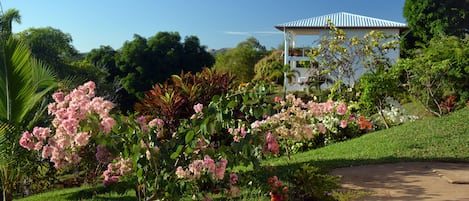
215,52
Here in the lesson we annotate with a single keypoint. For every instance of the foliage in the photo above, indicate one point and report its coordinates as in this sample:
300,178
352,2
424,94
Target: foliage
394,114
437,72
297,121
270,68
431,18
105,56
428,139
442,139
143,62
349,195
24,82
334,55
52,46
340,57
6,20
278,192
312,183
146,154
241,60
174,99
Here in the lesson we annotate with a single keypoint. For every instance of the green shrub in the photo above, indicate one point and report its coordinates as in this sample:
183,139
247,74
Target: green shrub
312,183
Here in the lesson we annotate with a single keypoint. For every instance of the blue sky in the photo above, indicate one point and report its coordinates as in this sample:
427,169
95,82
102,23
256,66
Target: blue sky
217,23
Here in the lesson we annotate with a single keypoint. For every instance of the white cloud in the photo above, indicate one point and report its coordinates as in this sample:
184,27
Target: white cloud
240,33
251,33
268,32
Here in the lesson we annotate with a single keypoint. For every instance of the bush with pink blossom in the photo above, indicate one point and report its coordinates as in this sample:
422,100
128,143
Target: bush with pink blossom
78,116
298,122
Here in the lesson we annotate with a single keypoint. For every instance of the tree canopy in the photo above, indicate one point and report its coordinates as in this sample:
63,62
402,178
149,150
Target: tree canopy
7,19
430,18
240,61
51,46
144,62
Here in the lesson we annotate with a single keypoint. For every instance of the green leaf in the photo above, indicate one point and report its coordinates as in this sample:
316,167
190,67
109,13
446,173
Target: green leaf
189,150
177,152
232,104
189,136
23,81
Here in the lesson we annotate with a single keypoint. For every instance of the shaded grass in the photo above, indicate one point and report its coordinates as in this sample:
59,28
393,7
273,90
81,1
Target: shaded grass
429,139
84,193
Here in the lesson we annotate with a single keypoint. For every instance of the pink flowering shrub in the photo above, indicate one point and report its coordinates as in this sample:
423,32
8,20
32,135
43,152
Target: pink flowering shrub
208,175
207,166
115,170
71,126
298,121
238,133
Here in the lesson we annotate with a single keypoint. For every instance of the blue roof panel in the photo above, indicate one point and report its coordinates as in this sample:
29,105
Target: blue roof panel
342,20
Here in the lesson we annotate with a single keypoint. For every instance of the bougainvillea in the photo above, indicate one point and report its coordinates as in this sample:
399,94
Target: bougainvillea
299,121
199,167
71,112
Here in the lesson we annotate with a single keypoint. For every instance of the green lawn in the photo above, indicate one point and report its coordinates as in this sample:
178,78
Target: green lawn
429,139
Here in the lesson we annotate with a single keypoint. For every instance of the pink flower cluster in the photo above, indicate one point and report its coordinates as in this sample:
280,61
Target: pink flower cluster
299,120
198,111
233,178
69,112
114,170
35,140
154,123
272,144
238,133
158,125
198,167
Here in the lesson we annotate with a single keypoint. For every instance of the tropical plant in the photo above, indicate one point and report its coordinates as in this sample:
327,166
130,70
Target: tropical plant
300,122
438,72
6,20
339,58
432,18
240,61
143,61
270,68
24,82
173,100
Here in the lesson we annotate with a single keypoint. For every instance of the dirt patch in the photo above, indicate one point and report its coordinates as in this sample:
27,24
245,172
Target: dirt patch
408,181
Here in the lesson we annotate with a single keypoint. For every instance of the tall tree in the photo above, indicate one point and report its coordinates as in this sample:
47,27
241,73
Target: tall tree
51,46
104,56
240,61
144,62
7,19
430,18
194,53
270,68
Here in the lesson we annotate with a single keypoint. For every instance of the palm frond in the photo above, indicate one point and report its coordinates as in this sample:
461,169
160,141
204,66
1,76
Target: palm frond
5,141
23,81
14,76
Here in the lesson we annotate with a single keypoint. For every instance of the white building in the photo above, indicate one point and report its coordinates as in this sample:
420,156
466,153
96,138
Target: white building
316,27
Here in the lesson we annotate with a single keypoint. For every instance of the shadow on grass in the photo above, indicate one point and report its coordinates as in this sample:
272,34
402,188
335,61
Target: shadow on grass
99,193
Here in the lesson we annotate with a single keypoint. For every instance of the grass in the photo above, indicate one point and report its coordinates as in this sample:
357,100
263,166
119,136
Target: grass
84,193
429,139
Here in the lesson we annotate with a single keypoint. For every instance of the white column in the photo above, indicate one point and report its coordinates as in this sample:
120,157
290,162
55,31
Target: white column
286,40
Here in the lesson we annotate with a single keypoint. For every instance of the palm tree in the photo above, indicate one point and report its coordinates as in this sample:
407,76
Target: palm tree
24,82
6,20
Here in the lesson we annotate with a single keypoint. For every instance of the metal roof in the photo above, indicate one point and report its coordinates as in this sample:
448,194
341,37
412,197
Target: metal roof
342,20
